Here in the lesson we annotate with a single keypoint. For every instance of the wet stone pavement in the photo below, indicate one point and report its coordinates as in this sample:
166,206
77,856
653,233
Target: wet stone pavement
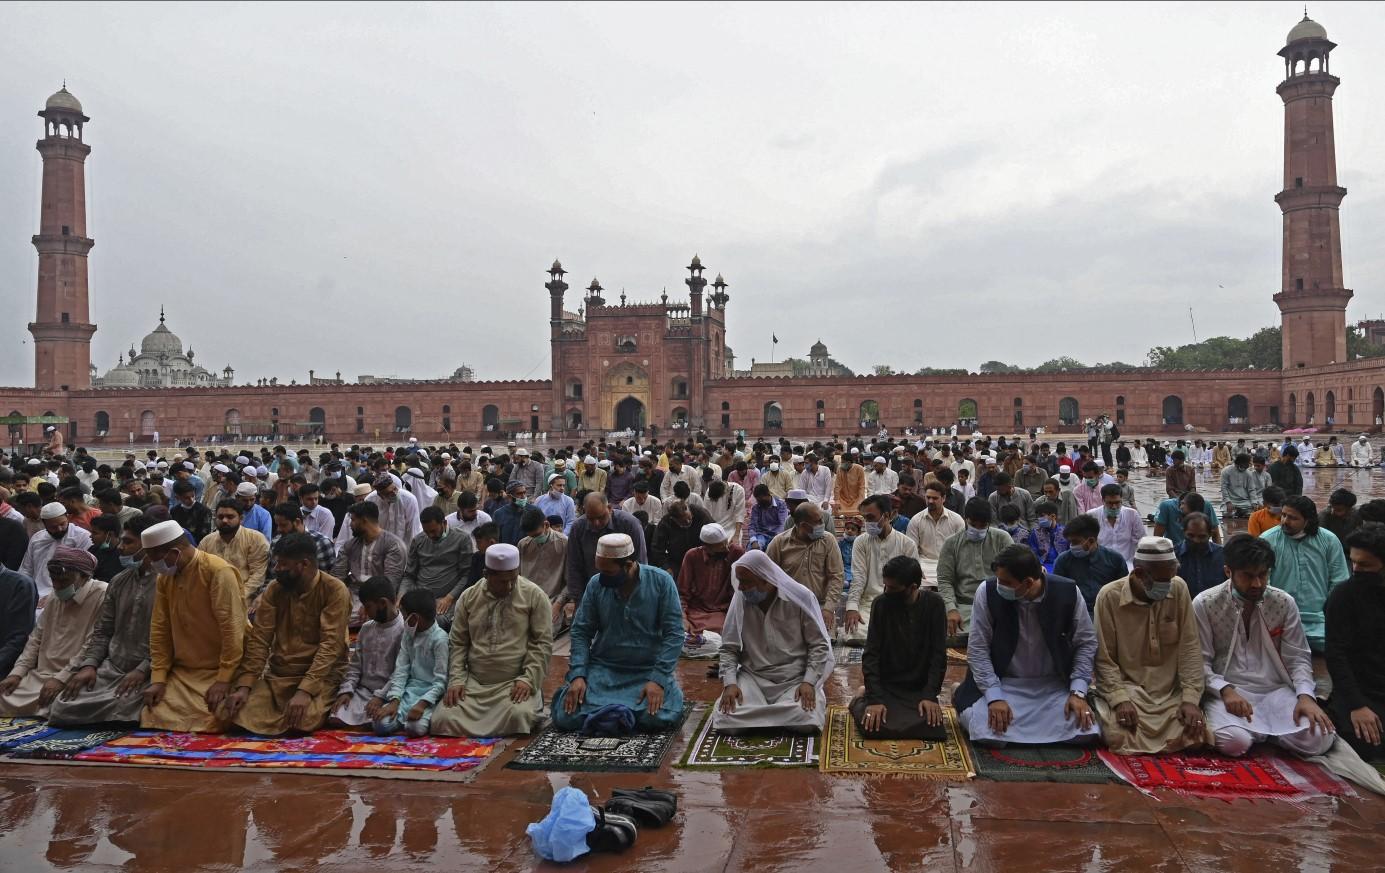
108,819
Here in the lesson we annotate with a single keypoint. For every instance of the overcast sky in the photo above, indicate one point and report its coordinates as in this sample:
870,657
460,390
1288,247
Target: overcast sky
380,189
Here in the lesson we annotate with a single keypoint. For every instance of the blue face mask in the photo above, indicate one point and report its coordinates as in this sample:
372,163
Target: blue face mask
819,532
1079,552
976,534
1158,590
1006,592
873,528
611,580
1045,523
128,561
65,593
1113,512
755,598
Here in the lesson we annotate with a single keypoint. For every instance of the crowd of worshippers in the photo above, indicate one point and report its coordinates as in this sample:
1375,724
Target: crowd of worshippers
215,591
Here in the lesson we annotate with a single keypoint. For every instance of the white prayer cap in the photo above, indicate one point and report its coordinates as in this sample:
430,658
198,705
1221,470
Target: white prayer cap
160,534
774,467
33,462
1100,463
560,463
446,456
899,450
161,464
855,450
1155,550
796,494
589,460
50,429
413,439
511,444
797,459
52,510
242,460
151,466
616,545
521,453
713,533
189,465
879,459
249,471
414,471
558,476
604,463
221,468
990,459
261,471
362,489
1065,469
246,489
502,556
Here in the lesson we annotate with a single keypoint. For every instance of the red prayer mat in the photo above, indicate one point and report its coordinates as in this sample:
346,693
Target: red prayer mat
1264,773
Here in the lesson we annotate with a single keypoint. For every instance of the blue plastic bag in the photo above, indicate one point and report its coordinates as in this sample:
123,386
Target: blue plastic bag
562,835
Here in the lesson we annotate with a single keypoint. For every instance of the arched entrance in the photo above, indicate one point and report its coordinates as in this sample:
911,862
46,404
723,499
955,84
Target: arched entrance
317,420
1378,407
1173,409
629,414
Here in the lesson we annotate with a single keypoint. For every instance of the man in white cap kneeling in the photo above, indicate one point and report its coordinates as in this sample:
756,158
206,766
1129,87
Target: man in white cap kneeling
501,642
196,635
626,638
704,586
1149,672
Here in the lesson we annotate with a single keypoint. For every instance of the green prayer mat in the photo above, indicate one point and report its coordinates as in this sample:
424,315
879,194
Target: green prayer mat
1050,763
711,750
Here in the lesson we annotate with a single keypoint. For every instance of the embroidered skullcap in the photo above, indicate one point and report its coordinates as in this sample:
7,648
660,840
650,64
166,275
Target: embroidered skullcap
1155,550
246,489
616,545
52,510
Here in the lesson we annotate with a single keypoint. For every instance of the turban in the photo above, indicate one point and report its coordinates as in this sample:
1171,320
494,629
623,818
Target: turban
502,556
713,533
76,559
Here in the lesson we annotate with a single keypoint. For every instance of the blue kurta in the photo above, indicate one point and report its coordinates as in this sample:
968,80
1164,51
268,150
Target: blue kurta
420,674
619,645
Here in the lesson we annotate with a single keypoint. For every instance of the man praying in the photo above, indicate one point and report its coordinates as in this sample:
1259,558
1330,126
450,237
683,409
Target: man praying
296,652
245,549
501,644
50,656
1259,673
1355,615
113,668
371,665
626,638
812,558
704,582
869,553
420,670
196,634
1149,677
1029,657
775,653
904,661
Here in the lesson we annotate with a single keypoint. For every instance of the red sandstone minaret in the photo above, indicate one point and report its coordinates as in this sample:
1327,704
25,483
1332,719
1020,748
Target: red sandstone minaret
1313,302
62,328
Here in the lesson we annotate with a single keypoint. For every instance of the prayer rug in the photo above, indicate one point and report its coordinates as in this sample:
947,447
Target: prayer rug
848,654
957,656
844,751
1055,763
711,750
553,749
328,753
14,731
64,743
1263,773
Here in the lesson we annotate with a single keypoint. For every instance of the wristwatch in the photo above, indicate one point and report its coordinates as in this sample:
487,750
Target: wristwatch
1080,695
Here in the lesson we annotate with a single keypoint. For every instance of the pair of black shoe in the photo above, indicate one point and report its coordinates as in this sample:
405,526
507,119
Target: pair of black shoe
618,822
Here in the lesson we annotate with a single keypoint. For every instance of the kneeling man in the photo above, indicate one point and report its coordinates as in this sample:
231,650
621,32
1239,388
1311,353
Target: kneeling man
1148,660
295,654
1259,672
775,653
626,638
501,642
1029,657
906,654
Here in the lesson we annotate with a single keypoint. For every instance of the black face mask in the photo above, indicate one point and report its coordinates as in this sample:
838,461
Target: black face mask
1364,578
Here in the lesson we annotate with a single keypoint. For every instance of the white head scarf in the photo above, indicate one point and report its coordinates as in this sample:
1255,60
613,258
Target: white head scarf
419,486
759,563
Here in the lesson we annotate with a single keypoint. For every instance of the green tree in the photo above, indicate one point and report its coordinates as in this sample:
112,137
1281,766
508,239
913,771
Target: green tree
1057,365
882,370
999,367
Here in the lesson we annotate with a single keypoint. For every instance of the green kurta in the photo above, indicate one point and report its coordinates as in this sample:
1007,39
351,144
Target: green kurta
494,642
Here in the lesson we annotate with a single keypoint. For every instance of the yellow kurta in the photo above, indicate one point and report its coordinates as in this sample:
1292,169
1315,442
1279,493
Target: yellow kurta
195,640
849,489
493,643
248,552
298,643
1147,654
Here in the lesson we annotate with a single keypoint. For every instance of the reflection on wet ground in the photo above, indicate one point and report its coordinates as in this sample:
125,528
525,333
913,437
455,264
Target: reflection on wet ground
99,818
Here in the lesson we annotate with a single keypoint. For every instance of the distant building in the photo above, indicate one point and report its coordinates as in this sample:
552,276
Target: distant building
161,363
